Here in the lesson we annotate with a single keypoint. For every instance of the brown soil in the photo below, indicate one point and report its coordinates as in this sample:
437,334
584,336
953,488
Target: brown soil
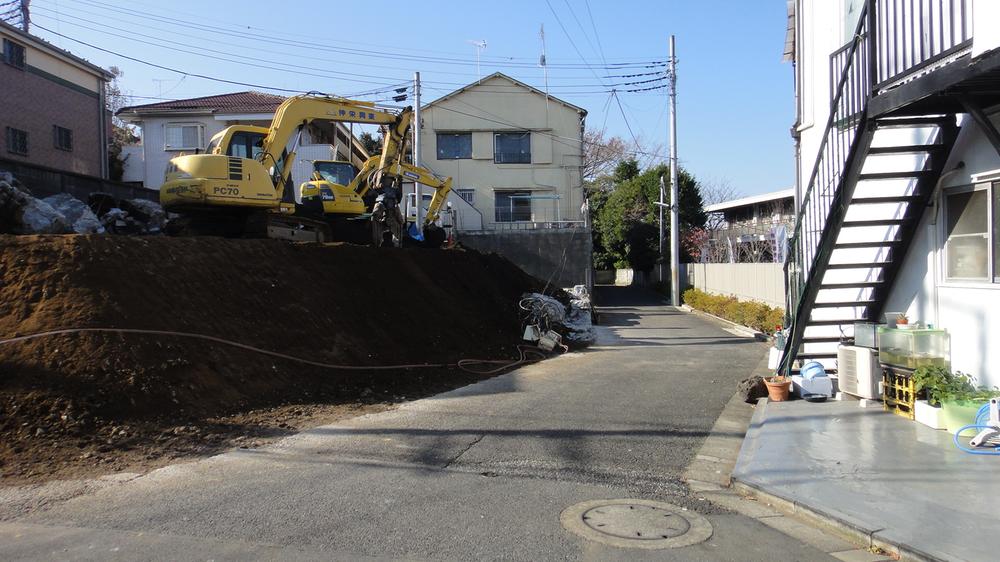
91,403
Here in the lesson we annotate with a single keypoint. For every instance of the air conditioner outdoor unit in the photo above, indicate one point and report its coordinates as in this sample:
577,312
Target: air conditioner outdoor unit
859,371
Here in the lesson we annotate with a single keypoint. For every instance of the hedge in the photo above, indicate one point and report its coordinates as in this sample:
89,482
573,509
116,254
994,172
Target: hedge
756,315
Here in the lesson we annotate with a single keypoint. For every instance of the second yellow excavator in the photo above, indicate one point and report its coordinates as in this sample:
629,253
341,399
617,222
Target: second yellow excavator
241,185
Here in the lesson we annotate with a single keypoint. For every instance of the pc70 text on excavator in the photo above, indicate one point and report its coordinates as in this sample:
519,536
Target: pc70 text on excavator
241,185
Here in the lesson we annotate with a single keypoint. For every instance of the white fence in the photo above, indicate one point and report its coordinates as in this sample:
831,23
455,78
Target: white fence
762,282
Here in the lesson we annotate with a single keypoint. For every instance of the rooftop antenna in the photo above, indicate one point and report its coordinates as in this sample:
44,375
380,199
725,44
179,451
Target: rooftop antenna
480,46
159,85
545,71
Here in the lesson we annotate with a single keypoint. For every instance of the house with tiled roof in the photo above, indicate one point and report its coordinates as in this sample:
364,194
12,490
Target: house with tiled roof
53,113
170,128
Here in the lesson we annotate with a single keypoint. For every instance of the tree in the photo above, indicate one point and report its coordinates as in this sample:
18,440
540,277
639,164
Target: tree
371,144
122,134
626,221
718,191
601,155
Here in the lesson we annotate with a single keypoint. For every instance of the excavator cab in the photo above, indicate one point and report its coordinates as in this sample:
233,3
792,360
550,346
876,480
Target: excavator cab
330,187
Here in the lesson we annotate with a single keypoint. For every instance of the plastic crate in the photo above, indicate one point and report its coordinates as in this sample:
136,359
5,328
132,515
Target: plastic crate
898,393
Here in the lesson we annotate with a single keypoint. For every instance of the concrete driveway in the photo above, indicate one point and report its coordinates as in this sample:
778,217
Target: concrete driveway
483,472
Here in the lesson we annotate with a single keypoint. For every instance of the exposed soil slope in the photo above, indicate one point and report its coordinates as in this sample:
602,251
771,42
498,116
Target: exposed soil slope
341,304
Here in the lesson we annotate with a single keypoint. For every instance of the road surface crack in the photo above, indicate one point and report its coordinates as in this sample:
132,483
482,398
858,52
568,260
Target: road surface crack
465,450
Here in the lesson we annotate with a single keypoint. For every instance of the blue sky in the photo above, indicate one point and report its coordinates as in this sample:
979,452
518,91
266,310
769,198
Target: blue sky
735,96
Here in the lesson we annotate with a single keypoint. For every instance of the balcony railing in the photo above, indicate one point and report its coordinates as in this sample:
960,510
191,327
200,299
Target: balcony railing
911,35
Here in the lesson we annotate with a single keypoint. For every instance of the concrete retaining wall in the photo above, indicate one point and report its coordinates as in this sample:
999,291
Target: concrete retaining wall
563,255
762,282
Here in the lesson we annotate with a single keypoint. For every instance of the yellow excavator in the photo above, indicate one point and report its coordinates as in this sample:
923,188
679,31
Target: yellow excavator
240,186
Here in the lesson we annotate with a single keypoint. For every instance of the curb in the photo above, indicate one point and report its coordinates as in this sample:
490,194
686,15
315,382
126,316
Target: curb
745,330
712,476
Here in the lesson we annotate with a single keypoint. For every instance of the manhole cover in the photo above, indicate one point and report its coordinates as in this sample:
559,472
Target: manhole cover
636,523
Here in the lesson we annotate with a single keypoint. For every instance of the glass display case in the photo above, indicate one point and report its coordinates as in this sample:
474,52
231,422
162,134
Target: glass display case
914,347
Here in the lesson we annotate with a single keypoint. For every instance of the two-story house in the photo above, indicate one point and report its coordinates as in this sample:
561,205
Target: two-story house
898,185
53,112
515,155
174,127
749,229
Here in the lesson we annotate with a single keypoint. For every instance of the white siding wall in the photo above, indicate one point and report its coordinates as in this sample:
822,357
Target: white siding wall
761,282
555,148
969,311
155,157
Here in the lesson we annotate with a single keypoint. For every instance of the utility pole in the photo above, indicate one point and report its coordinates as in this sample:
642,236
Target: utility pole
418,223
25,15
675,246
661,204
545,69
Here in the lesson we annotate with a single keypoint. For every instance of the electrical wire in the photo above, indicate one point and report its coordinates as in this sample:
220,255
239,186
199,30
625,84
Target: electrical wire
597,35
620,108
463,364
263,63
162,67
316,45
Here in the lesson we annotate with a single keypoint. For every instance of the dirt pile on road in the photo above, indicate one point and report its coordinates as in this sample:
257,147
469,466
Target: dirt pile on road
338,304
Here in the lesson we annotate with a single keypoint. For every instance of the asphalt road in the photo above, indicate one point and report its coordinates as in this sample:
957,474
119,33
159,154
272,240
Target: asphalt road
479,473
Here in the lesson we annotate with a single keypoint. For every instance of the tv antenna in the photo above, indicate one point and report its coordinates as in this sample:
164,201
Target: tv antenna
480,46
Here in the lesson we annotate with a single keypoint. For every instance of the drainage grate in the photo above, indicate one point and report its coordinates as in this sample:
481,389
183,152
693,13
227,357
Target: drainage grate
630,523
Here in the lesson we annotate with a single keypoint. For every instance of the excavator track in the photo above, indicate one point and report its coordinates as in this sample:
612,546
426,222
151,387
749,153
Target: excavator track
298,229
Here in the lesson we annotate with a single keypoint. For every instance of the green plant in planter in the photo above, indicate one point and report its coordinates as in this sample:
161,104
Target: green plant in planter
942,385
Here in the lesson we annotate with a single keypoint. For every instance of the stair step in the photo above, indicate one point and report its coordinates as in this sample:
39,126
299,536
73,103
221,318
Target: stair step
915,174
843,304
875,222
808,355
858,265
830,339
857,285
841,322
936,121
906,149
877,200
880,244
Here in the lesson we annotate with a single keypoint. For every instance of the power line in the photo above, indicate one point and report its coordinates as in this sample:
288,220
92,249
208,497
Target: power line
283,67
162,67
571,42
596,34
578,24
315,45
272,31
620,108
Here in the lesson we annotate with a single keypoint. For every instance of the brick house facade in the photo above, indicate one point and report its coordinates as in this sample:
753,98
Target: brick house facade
53,112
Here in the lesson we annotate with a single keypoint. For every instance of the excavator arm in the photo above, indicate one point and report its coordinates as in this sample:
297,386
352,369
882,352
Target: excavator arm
297,112
441,186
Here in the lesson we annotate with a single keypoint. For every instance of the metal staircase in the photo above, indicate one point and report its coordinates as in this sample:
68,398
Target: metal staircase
877,170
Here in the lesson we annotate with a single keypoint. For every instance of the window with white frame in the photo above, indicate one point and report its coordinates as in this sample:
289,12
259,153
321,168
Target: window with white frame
972,239
184,136
467,194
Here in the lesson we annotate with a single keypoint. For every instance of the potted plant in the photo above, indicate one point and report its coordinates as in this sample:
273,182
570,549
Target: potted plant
933,381
956,394
777,387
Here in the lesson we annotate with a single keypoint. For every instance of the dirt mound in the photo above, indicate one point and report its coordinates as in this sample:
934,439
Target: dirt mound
337,304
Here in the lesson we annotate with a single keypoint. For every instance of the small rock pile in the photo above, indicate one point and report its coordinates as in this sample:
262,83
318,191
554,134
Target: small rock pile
23,213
